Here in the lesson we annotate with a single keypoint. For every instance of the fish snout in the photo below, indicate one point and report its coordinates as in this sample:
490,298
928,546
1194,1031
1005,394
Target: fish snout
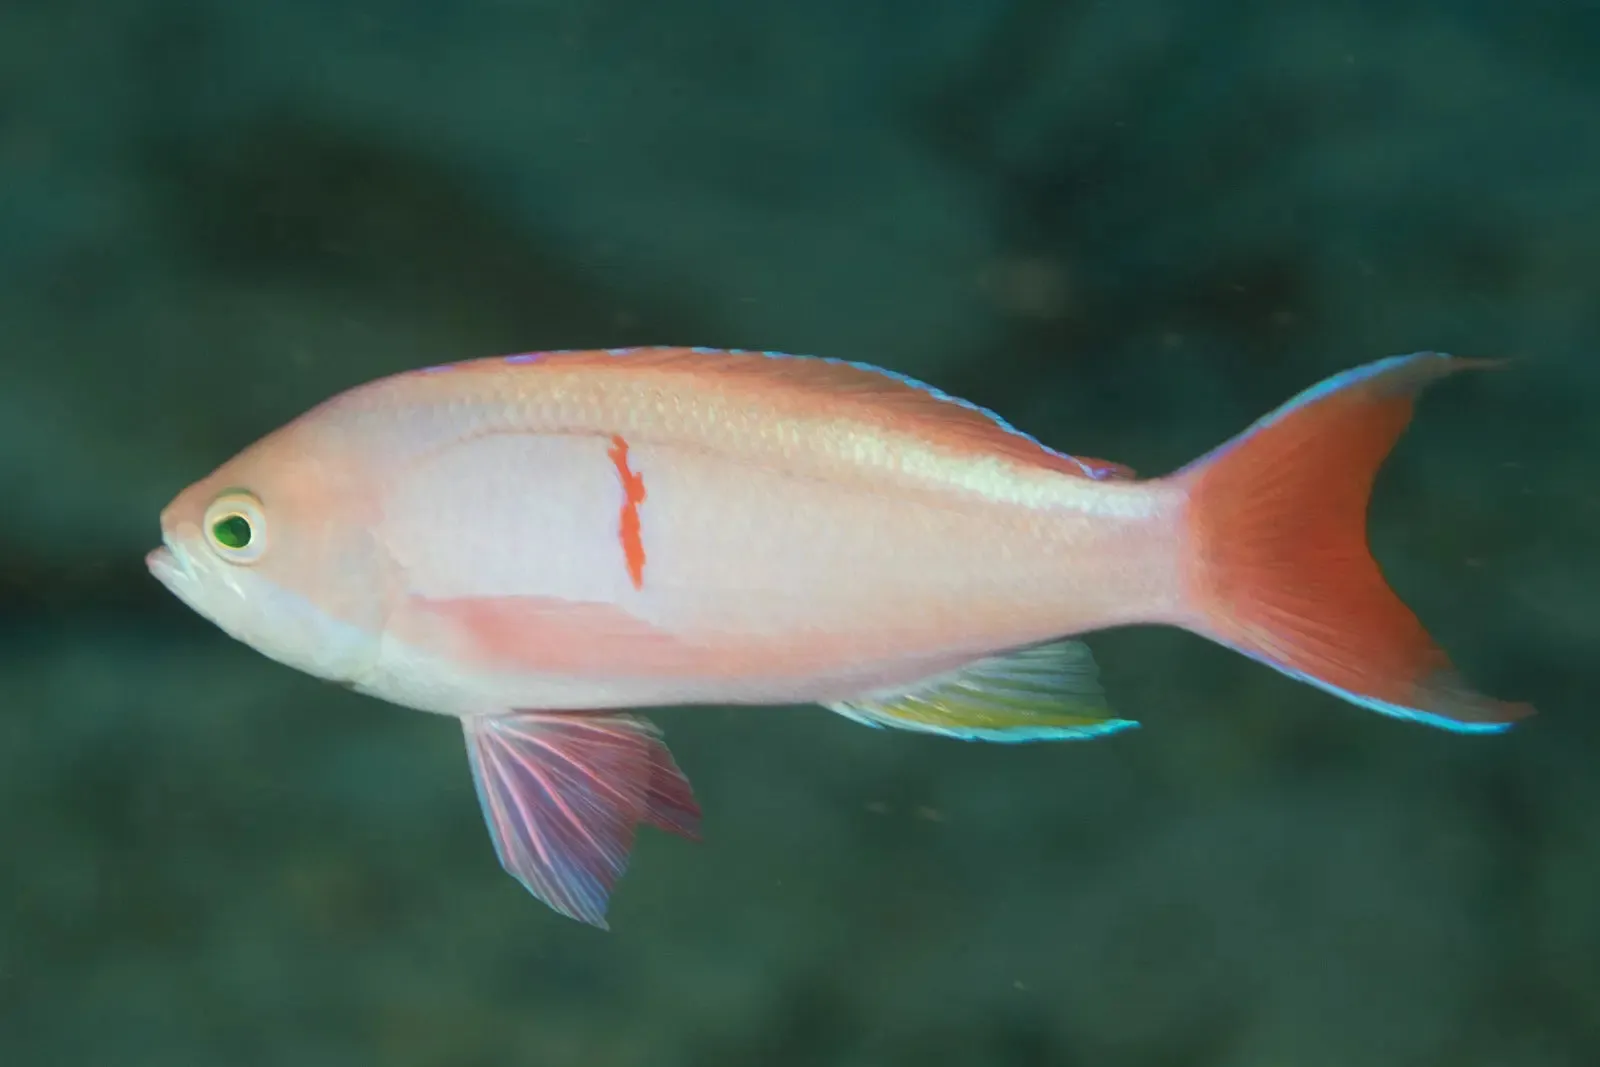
169,563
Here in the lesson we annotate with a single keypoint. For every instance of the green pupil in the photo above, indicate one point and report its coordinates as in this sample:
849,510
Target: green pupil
232,532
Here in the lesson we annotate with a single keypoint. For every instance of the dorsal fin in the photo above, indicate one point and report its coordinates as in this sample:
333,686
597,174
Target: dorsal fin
899,400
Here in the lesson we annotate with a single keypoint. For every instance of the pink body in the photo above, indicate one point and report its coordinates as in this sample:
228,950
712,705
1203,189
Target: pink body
798,545
539,543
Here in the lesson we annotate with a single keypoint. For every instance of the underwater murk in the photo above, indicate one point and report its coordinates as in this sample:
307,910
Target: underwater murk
948,529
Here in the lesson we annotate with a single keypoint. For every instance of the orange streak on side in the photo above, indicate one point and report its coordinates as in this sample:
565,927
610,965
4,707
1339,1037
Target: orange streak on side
633,496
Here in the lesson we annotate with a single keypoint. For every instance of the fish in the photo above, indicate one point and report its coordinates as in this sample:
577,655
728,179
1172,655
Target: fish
540,545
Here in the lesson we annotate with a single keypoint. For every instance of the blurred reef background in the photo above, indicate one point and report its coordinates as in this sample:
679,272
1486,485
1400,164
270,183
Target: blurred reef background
1130,227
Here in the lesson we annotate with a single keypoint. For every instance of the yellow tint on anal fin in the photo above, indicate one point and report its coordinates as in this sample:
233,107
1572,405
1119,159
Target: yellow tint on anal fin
1041,693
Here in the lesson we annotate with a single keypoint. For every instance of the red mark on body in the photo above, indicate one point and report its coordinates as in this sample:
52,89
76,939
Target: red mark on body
632,497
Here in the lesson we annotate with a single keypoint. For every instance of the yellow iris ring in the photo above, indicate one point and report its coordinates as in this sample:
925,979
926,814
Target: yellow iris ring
236,527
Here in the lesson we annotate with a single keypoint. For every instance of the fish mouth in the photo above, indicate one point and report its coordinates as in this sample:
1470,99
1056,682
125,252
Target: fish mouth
171,566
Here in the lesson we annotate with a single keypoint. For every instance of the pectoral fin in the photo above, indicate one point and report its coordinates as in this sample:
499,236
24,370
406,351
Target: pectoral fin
562,794
1043,693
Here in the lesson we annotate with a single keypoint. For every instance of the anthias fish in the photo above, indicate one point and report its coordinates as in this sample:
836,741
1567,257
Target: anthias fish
536,543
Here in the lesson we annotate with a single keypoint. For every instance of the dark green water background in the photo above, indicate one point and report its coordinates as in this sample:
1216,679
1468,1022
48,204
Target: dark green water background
1131,227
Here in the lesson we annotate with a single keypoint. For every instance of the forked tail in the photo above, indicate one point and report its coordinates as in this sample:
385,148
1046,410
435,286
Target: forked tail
1277,563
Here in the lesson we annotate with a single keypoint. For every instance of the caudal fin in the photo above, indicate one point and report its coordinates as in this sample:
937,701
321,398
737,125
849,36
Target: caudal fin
1278,565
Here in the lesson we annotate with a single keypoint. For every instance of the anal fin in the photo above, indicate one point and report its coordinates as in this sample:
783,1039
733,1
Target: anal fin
563,794
1041,693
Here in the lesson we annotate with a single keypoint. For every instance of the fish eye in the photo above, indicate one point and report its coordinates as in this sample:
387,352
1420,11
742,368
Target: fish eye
232,531
236,528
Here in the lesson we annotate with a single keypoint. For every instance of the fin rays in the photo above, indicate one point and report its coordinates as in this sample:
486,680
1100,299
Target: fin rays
1041,693
562,795
1283,572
